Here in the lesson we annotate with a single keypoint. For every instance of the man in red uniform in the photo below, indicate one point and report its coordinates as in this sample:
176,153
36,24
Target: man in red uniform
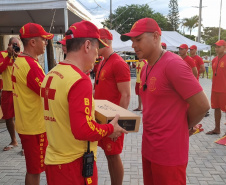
69,111
198,60
112,84
139,65
171,105
183,50
27,76
218,94
6,64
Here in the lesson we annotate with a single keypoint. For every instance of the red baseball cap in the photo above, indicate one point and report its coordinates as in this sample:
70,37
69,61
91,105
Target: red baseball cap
63,41
142,26
105,34
183,46
193,47
221,43
85,29
163,44
30,30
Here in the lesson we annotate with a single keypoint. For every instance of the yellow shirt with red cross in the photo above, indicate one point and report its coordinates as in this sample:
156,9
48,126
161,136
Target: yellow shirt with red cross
69,115
27,76
139,66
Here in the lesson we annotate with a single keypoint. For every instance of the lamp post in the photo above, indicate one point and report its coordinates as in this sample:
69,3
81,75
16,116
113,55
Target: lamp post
219,34
110,14
200,20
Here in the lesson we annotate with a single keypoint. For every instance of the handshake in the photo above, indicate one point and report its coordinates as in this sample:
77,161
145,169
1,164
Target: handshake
117,129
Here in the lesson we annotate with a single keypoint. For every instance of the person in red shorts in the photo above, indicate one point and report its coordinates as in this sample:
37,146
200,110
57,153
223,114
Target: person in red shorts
140,64
218,94
171,105
66,93
7,59
183,50
198,60
164,46
27,76
112,83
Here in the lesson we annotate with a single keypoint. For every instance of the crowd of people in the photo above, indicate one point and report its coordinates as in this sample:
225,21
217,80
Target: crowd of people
54,113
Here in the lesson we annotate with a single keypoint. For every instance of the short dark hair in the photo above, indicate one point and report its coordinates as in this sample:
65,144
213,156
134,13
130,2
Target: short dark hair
25,41
75,44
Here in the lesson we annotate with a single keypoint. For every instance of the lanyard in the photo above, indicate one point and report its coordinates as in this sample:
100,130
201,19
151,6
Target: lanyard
218,63
147,74
102,65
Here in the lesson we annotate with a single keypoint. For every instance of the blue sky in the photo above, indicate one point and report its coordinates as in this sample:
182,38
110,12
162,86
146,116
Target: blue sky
210,11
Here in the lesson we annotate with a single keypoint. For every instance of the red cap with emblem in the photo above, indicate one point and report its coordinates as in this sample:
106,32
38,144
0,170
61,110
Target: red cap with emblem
105,34
193,47
221,43
63,41
85,29
30,30
183,46
142,26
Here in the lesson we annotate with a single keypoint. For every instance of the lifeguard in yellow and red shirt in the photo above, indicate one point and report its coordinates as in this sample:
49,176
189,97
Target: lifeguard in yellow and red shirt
66,93
27,76
7,59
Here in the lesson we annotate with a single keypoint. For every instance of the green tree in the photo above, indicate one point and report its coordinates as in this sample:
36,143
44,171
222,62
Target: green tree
124,17
173,15
191,23
210,36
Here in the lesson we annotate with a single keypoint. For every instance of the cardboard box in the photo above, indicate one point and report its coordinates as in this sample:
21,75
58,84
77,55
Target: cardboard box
105,112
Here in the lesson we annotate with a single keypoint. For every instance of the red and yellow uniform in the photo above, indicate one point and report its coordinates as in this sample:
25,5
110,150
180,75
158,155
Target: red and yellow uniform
139,66
6,65
27,76
69,118
218,95
198,61
114,71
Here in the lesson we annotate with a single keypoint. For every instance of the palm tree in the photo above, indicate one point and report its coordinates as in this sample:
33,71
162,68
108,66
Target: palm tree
191,23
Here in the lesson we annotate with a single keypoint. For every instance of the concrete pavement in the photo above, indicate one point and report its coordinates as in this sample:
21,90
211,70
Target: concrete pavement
207,160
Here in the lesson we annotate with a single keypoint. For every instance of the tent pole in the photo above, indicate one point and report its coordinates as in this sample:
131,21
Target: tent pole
46,63
66,19
210,53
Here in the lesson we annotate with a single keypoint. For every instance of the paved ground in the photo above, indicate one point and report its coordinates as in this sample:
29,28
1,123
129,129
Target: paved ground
207,160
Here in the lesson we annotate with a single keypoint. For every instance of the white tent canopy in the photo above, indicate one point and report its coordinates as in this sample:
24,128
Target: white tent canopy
118,45
172,39
15,13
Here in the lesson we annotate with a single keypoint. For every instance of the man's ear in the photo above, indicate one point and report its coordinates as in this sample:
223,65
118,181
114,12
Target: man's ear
87,46
32,42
